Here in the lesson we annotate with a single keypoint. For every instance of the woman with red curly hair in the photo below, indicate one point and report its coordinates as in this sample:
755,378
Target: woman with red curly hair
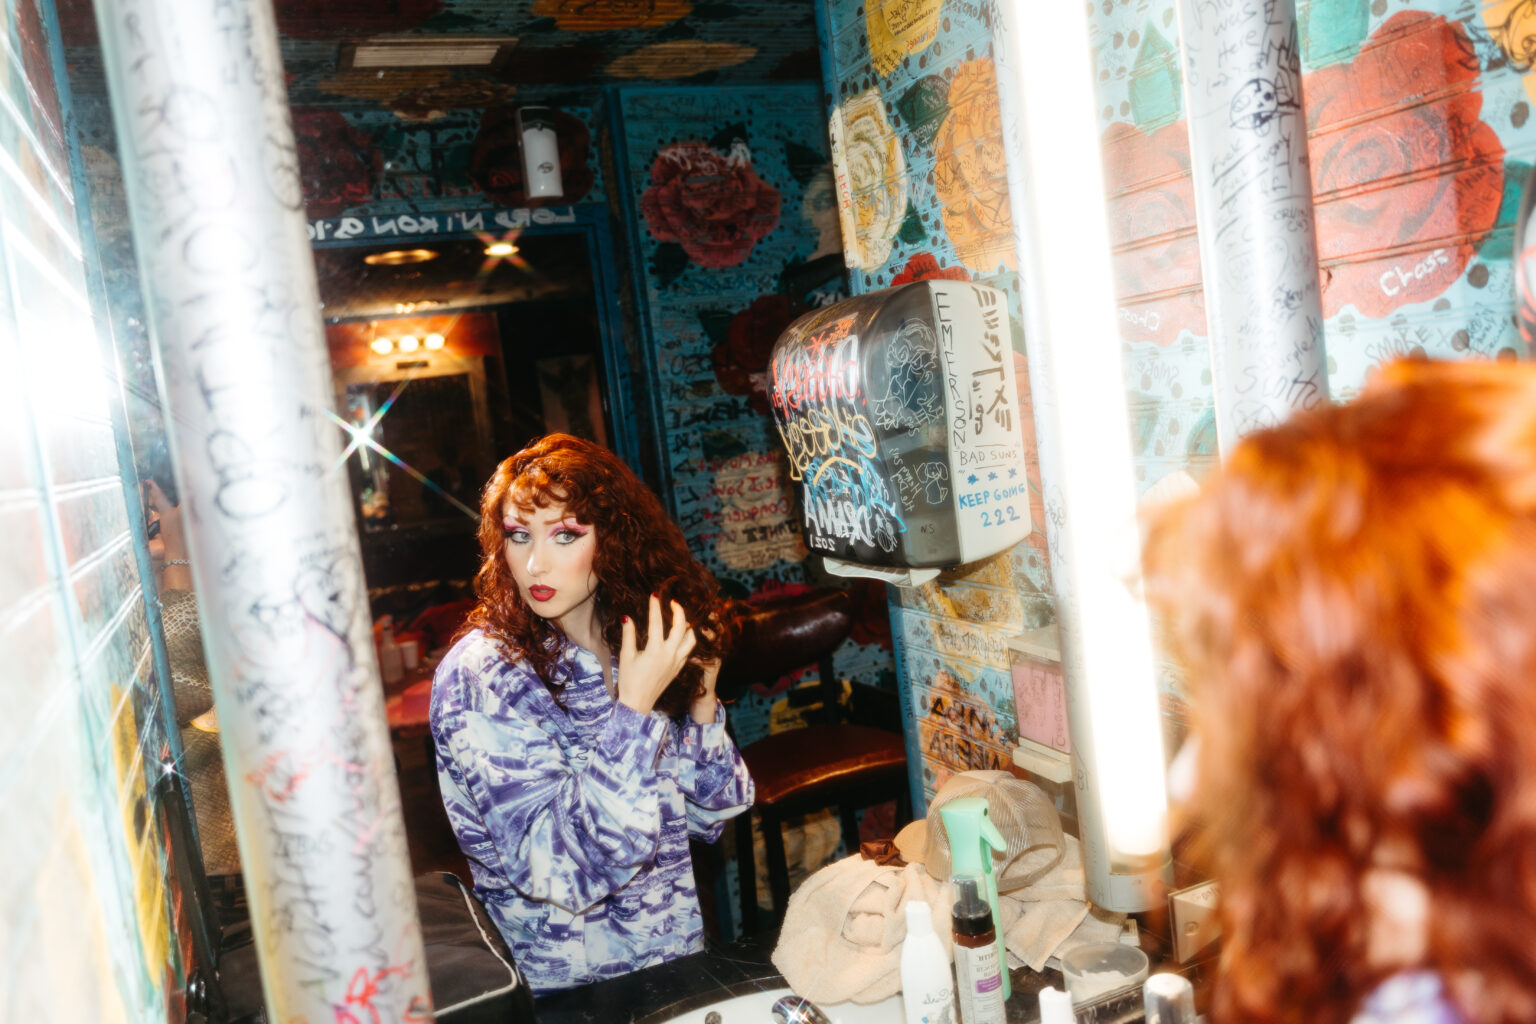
1353,597
574,760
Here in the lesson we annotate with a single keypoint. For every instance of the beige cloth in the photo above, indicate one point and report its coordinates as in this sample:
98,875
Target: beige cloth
203,761
1044,920
842,932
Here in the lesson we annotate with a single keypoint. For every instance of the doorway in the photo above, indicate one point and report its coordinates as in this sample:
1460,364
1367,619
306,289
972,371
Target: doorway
449,353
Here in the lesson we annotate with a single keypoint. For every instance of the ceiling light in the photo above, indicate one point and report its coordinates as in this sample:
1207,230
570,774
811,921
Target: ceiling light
383,346
411,307
409,343
434,341
398,257
427,52
500,249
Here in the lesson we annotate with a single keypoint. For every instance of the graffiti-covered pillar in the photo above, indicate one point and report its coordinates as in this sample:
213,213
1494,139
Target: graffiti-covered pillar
213,188
1253,200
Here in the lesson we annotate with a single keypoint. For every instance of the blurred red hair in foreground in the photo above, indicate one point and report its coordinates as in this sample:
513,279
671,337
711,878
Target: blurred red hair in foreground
1353,598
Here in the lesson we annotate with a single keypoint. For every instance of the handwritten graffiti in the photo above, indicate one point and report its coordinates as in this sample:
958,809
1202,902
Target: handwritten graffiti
912,397
340,229
826,369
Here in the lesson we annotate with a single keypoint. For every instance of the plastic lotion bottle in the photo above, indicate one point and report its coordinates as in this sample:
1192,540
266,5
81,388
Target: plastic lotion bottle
972,838
978,969
927,988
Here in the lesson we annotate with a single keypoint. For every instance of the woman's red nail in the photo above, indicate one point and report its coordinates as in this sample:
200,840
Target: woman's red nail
626,618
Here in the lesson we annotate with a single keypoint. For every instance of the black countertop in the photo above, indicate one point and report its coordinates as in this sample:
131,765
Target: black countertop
661,992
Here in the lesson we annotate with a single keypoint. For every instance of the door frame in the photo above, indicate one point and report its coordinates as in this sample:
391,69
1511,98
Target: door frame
590,221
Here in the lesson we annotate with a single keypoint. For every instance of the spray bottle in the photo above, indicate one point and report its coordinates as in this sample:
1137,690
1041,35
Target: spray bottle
972,837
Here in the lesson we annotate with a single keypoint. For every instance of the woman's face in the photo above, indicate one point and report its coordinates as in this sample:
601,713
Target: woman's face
550,555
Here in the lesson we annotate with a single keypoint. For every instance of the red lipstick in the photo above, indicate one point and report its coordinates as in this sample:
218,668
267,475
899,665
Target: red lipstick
541,593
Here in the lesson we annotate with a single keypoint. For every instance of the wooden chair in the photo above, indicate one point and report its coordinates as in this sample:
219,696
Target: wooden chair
832,763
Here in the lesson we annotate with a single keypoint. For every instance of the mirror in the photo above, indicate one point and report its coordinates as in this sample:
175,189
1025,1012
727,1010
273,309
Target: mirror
447,355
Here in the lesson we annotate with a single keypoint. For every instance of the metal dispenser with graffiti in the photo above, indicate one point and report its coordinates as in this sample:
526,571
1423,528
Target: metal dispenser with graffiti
900,413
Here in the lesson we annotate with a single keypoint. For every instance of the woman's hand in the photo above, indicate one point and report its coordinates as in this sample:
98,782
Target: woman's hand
643,675
172,547
702,710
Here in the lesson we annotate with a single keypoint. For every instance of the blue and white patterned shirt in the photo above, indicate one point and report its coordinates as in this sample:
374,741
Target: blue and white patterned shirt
576,821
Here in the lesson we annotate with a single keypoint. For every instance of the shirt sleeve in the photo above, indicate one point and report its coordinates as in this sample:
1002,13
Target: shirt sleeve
565,835
712,776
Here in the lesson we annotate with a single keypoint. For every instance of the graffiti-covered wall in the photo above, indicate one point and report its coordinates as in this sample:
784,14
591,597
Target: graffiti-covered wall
734,229
1417,115
91,926
918,136
1417,121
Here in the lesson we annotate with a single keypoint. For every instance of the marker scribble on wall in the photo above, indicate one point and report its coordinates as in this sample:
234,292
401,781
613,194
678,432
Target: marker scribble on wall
970,171
1407,175
873,196
607,15
758,525
1152,221
900,28
714,206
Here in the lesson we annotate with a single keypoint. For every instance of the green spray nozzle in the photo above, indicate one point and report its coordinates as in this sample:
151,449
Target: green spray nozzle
972,838
970,832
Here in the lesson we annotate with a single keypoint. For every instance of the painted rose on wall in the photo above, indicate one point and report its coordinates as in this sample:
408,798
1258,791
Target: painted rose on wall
924,266
1406,175
713,205
1152,225
741,360
338,164
875,178
970,171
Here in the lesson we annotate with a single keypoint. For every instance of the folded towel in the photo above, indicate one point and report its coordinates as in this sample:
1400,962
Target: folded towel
1052,915
842,932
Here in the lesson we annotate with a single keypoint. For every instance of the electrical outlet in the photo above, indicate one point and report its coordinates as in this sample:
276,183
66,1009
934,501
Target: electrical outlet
1192,912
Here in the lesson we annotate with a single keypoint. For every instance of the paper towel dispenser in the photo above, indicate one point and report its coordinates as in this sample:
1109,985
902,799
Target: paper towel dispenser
900,413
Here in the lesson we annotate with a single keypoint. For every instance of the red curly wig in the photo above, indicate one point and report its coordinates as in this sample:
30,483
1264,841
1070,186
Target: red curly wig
640,552
1353,597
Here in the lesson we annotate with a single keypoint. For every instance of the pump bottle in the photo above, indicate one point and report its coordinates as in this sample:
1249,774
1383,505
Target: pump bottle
978,971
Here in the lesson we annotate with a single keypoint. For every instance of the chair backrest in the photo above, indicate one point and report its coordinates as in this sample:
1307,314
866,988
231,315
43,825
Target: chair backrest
783,634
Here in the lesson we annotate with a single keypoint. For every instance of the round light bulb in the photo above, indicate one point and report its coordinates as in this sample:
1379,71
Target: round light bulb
409,343
383,346
500,249
434,341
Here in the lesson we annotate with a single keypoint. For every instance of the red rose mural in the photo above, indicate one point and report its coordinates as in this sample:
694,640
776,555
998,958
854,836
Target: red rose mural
1407,176
741,360
924,267
714,206
338,164
1152,224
